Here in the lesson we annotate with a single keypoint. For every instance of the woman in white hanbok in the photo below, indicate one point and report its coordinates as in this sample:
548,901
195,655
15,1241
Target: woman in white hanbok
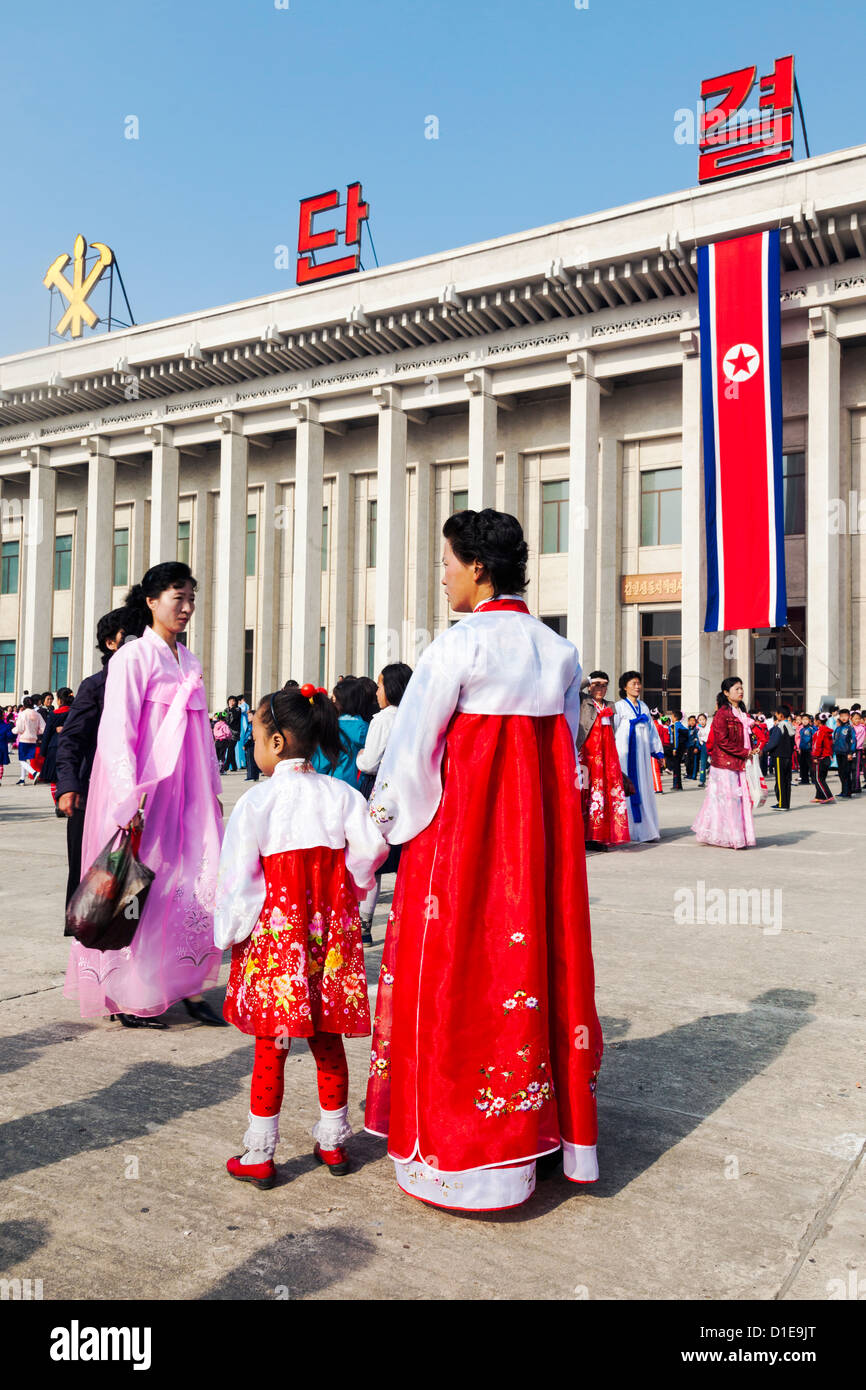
638,742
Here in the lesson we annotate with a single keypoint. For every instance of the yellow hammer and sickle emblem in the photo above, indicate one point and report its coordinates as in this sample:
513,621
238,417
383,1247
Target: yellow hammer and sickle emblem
77,293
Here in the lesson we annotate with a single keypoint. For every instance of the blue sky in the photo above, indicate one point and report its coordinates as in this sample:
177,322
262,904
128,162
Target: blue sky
545,112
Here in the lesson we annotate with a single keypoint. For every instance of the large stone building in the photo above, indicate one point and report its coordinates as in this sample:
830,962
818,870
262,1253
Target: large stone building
302,451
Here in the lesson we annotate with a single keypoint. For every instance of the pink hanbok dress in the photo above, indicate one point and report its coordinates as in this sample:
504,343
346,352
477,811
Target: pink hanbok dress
155,737
726,818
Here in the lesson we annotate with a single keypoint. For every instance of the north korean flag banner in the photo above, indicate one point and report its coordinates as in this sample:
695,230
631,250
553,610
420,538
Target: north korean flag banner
741,387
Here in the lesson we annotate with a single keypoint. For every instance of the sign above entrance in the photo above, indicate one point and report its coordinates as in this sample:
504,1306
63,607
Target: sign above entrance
735,139
309,242
652,588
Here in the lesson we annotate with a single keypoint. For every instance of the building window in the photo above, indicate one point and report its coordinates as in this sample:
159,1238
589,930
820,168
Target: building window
63,562
9,570
249,647
59,661
251,546
661,515
554,517
324,540
794,494
779,665
323,651
372,533
661,660
460,500
121,556
7,666
557,624
371,649
183,529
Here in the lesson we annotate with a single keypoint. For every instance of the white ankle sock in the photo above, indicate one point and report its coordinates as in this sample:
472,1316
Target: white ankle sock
261,1138
333,1128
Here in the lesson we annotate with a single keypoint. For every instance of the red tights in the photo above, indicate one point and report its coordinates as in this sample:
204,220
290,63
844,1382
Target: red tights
266,1089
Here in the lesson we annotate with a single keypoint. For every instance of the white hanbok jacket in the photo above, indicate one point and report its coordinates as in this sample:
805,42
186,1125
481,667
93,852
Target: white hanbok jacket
645,743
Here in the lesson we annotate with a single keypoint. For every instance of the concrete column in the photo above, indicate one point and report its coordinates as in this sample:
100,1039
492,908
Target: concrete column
264,671
512,483
826,636
38,591
138,561
99,550
608,541
482,441
76,627
164,475
582,504
702,652
227,674
307,553
426,568
341,531
739,643
201,551
391,527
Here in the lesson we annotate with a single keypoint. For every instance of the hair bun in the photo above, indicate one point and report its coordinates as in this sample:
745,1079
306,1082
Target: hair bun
308,691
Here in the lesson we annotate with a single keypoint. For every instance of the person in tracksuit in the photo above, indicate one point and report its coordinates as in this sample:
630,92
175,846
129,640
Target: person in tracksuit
859,727
845,751
779,751
804,749
822,754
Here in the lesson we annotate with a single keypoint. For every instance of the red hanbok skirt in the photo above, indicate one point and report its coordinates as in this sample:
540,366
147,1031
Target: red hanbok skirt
486,1043
302,969
605,814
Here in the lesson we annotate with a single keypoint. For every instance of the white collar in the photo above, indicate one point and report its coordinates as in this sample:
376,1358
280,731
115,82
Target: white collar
293,765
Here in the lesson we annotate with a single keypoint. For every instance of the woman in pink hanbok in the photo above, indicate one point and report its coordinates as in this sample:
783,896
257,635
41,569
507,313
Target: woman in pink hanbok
725,818
155,738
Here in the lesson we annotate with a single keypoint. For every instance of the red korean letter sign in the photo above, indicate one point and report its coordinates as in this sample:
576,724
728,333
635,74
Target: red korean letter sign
734,138
357,211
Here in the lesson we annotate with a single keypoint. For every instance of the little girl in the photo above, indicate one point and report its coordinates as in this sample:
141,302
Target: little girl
299,851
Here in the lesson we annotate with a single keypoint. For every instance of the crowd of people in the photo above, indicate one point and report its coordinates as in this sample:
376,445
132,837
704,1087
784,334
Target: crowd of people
480,778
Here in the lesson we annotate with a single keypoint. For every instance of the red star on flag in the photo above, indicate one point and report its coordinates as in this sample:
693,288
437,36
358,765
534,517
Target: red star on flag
740,363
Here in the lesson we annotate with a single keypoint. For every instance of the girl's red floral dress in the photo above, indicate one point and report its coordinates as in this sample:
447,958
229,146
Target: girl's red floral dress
605,815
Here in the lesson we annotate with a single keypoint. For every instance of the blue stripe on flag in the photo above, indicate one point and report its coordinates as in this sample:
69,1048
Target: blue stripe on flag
774,338
711,621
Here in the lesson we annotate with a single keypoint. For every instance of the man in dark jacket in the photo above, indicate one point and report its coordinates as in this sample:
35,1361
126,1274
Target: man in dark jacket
779,750
844,750
76,745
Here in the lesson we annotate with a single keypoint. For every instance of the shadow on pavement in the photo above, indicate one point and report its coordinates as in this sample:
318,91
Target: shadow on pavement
296,1265
21,1049
19,1240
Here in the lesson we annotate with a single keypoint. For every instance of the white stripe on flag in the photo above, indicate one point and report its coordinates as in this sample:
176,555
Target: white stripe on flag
768,424
714,365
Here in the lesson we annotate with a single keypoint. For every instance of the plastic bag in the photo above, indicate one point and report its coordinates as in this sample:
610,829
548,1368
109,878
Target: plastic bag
758,789
105,909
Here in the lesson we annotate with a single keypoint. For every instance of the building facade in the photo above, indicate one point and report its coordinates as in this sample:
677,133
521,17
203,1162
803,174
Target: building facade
302,450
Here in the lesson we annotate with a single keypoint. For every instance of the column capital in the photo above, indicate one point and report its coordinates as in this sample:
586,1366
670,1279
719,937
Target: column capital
95,444
479,383
690,342
822,319
160,436
36,456
229,422
387,397
305,411
581,363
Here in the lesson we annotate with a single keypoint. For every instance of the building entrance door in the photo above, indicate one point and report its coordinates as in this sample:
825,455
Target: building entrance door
661,659
779,665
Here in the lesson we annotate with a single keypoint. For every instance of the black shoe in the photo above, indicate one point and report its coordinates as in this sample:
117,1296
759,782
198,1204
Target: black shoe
366,936
136,1021
595,847
202,1012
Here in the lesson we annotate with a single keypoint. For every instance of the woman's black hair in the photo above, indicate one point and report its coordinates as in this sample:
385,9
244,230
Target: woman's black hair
311,721
118,620
65,696
171,574
626,677
27,702
599,676
722,698
395,678
494,538
356,695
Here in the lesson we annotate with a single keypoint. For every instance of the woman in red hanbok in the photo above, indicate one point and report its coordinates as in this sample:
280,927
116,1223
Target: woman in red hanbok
486,1044
604,785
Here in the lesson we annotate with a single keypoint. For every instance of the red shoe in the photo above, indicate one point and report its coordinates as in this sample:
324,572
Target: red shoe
259,1174
335,1160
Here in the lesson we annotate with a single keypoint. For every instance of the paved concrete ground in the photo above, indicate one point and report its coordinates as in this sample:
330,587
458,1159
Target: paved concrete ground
731,1105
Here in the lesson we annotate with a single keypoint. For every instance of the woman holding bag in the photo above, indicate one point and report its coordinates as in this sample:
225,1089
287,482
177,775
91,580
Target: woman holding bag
155,740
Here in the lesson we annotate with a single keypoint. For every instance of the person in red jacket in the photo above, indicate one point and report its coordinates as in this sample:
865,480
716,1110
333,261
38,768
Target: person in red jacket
822,756
725,818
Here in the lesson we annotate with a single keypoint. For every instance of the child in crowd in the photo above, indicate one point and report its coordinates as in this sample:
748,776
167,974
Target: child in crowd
780,754
822,753
844,751
300,849
859,726
390,689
